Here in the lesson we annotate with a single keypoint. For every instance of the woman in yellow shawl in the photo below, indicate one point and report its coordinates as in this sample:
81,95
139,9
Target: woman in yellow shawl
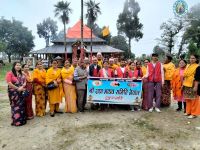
67,74
177,83
55,95
190,95
145,86
39,76
169,69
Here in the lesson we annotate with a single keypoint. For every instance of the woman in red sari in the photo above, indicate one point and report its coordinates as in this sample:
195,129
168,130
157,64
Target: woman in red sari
29,87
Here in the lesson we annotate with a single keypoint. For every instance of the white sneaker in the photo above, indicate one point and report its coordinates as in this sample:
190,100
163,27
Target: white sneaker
191,117
157,110
151,109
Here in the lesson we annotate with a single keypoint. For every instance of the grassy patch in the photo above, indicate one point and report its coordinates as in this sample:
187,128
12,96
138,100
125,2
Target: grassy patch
4,70
143,124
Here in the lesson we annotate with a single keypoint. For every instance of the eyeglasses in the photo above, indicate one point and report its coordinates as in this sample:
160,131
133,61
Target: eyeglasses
146,62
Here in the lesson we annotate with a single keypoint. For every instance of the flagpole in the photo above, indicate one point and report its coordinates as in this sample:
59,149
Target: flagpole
82,48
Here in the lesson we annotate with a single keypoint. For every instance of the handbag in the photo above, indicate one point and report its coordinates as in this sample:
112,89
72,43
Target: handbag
25,93
51,86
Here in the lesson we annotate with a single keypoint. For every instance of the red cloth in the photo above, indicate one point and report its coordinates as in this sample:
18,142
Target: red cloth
120,74
136,73
110,73
95,72
154,73
11,78
130,74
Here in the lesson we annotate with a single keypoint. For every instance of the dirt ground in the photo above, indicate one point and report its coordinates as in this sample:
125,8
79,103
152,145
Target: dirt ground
110,130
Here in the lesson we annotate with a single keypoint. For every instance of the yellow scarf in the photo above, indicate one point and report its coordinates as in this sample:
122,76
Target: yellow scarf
169,70
40,75
67,73
189,75
28,76
52,75
144,70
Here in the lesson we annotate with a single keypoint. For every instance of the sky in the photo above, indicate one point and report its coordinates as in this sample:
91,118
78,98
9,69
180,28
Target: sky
153,13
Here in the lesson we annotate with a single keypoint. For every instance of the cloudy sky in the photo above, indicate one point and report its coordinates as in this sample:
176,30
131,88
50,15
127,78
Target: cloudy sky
153,13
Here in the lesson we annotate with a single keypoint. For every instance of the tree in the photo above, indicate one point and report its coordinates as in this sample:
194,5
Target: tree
47,30
193,31
120,42
17,39
62,10
2,46
193,49
159,50
128,22
93,10
170,30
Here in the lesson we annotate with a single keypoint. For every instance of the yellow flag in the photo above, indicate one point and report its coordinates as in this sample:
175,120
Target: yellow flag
106,31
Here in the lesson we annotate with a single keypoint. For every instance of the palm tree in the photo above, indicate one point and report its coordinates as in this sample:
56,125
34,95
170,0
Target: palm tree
93,10
62,10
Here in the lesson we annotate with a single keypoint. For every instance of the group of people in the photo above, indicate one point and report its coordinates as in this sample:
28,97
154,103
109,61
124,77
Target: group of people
159,81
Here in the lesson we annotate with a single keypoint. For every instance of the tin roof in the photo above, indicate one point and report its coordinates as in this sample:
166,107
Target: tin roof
60,49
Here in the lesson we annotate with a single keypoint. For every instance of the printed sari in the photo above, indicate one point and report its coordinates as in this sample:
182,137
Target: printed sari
17,101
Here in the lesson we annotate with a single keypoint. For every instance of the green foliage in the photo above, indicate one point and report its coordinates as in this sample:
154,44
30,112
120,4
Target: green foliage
193,31
193,49
120,42
128,22
17,39
93,10
2,46
4,70
47,30
62,10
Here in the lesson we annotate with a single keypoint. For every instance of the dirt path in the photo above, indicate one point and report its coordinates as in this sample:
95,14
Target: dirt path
112,129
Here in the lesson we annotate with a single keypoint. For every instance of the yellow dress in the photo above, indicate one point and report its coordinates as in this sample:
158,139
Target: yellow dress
39,77
54,95
69,90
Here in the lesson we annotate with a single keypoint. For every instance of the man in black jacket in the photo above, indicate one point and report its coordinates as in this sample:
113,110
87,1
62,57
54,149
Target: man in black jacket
94,68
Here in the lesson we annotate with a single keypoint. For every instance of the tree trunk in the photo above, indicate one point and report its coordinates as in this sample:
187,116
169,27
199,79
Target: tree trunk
129,47
65,41
9,58
47,42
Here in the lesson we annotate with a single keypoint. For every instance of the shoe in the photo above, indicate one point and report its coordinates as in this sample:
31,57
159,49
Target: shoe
157,110
191,117
151,109
185,114
59,112
52,114
178,109
132,110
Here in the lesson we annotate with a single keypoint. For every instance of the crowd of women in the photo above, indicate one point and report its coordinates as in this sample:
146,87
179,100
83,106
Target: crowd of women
160,80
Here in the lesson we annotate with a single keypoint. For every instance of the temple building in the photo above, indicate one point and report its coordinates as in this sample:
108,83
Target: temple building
73,38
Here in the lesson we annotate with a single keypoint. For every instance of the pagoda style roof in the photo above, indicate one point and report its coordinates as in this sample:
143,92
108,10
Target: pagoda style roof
74,33
60,49
72,40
